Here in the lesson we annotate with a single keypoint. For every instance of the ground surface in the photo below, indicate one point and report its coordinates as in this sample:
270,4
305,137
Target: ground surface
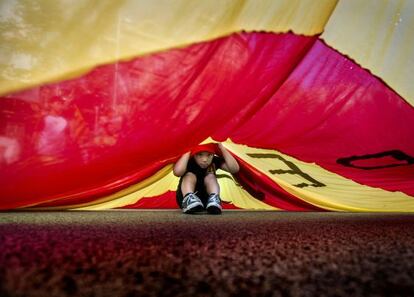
166,253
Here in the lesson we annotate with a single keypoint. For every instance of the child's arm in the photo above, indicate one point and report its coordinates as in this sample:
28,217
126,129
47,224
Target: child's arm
230,164
181,165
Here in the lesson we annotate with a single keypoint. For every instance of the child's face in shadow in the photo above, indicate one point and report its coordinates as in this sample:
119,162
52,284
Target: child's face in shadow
203,159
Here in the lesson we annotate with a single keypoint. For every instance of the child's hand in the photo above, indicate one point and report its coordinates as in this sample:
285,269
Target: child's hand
220,148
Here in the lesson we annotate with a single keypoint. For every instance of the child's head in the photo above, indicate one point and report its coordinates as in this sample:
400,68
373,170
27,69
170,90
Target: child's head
203,154
203,159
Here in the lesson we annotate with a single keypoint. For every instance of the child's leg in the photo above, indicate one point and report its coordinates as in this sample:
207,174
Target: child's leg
211,183
213,190
188,183
189,201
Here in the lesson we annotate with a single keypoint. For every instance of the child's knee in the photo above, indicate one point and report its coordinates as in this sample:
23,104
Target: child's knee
210,178
189,177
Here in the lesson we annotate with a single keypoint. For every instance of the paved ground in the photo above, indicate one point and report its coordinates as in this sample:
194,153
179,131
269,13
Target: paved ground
165,253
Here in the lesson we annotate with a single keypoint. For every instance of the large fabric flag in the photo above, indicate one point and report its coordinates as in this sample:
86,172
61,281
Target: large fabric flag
315,99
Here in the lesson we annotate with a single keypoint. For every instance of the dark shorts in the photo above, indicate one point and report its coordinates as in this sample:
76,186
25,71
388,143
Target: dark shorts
200,190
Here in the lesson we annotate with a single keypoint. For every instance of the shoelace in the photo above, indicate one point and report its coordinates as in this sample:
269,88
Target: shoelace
215,198
192,198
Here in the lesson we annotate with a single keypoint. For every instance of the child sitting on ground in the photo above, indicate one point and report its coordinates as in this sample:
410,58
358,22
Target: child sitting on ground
198,188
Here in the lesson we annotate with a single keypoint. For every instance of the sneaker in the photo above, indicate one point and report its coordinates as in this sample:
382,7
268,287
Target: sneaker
192,203
214,204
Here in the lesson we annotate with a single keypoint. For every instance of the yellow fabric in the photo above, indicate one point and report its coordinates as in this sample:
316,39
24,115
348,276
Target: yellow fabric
379,35
233,193
50,40
339,194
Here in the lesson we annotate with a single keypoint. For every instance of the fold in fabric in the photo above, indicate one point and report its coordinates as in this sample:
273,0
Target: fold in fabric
80,142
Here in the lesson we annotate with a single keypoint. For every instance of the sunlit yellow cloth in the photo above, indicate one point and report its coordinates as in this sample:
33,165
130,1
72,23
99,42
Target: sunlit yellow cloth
51,40
379,35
